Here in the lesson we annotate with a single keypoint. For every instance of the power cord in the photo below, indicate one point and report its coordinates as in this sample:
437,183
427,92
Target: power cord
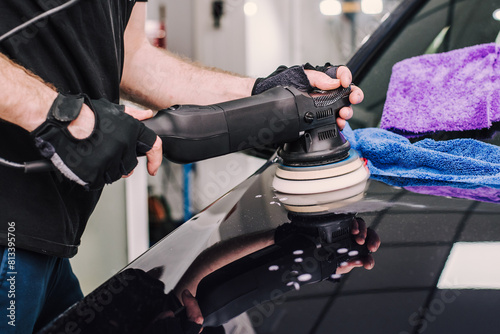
36,166
41,165
37,18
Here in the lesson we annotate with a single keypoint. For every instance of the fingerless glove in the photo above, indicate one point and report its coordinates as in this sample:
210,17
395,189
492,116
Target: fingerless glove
106,155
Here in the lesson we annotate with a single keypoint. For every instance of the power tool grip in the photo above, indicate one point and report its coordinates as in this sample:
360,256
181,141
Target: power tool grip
191,133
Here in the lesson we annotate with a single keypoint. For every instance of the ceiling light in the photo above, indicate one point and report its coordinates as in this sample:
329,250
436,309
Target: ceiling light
250,8
330,7
471,265
496,14
372,6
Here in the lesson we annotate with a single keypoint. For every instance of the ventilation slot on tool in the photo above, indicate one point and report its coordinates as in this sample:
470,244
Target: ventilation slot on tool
324,113
342,233
326,135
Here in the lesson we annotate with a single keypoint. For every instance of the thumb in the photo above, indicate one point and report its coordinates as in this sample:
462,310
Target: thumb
139,114
193,311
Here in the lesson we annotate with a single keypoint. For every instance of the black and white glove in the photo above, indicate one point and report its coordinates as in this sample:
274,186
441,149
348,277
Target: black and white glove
292,76
103,157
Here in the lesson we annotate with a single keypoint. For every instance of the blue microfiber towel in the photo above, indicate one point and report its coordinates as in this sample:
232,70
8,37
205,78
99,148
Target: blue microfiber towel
392,159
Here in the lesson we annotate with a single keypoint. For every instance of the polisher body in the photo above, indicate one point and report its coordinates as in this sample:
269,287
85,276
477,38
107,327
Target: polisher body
306,122
315,156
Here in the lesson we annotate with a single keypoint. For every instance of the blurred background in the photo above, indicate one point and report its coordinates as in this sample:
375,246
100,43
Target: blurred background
248,37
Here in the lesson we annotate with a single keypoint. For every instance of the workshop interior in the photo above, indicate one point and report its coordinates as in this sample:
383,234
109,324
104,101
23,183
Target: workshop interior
426,183
246,37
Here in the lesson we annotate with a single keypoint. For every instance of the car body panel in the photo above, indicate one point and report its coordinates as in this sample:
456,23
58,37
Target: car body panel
418,283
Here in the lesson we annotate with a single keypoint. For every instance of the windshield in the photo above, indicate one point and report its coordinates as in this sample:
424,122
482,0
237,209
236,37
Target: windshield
439,26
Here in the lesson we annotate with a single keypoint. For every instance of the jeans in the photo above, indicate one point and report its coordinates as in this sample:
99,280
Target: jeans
34,289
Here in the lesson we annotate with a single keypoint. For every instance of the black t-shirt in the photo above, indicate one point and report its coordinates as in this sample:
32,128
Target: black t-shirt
78,50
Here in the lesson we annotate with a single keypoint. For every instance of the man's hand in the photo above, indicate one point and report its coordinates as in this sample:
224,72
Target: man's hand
96,142
307,78
190,322
83,126
363,235
323,81
155,154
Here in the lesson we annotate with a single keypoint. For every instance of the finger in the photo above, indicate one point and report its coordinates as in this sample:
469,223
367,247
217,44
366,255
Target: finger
321,80
155,157
344,75
139,114
372,240
341,123
368,262
356,95
346,267
346,113
167,314
193,311
128,175
361,237
354,226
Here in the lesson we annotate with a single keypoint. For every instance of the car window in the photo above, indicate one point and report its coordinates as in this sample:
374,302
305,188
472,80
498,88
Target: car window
439,26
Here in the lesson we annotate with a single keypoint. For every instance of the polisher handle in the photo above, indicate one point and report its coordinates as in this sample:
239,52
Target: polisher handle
191,133
277,116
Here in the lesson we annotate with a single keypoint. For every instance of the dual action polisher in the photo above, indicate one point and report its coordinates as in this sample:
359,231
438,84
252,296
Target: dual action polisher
315,156
307,250
315,245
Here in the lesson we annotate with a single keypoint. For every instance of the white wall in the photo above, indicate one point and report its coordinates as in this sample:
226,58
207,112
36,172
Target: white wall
103,249
268,37
180,30
222,47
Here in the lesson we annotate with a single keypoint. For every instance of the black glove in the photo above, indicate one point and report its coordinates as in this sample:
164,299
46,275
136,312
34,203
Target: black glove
106,155
292,76
328,68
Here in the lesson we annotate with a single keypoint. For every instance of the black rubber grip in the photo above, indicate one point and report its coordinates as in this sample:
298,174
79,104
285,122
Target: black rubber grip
192,133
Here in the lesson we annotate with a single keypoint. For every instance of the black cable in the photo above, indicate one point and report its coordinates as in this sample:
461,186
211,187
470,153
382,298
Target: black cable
34,166
11,164
37,18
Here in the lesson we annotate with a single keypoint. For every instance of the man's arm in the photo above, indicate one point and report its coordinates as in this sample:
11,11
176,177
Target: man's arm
25,98
158,79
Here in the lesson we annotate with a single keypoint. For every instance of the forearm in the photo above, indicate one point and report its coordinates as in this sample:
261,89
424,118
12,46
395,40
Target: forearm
158,79
24,98
221,254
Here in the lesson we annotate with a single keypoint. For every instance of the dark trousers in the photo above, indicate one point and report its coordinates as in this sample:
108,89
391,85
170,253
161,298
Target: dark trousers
34,289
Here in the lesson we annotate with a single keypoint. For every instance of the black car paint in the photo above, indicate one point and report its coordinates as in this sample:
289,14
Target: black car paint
418,232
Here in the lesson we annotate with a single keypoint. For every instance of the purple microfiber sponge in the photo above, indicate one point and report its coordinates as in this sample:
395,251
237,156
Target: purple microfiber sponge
452,91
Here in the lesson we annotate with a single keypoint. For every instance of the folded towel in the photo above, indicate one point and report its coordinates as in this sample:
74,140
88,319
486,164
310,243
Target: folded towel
394,160
482,194
452,91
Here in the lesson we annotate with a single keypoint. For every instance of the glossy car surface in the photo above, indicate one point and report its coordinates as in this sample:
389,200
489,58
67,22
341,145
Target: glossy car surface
436,270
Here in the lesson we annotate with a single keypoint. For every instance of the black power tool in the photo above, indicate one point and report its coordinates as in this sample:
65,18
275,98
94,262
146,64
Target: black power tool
307,250
305,122
313,150
315,156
